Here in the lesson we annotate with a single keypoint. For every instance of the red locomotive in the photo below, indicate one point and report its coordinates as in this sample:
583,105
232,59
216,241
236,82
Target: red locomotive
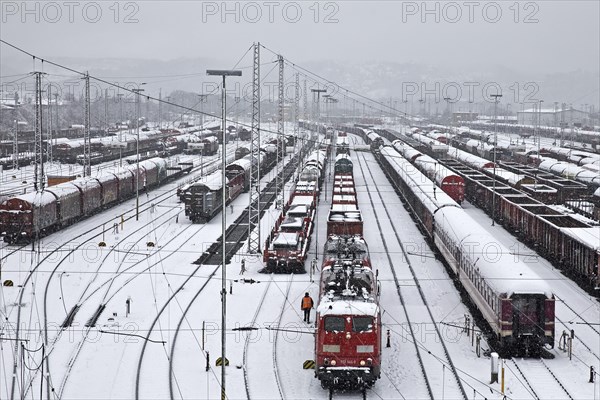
348,324
287,245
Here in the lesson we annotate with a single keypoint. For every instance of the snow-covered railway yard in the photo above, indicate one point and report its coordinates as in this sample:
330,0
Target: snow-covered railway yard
160,349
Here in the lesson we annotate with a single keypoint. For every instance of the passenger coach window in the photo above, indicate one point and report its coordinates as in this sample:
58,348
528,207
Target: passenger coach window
335,324
362,324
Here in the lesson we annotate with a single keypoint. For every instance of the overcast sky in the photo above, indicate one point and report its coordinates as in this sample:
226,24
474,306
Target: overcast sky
545,36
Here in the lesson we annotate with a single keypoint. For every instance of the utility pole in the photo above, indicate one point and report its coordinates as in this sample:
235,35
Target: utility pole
305,102
496,97
159,109
15,156
318,92
106,112
137,151
120,96
49,130
87,145
57,122
254,207
297,110
223,74
38,181
279,184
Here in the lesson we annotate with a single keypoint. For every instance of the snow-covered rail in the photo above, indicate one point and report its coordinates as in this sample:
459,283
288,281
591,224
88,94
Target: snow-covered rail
543,383
414,313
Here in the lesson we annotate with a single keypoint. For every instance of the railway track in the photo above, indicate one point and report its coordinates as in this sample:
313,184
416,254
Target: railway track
107,296
85,237
541,381
247,340
260,390
235,236
437,347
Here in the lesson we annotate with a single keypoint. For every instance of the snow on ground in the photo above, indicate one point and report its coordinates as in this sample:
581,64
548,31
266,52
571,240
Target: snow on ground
106,365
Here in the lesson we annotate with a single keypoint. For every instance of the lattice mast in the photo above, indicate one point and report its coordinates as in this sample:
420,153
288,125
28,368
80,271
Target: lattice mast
254,207
16,140
305,102
297,110
38,172
49,126
280,184
87,148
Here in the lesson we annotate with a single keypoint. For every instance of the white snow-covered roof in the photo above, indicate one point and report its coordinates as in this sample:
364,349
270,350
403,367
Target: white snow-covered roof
347,307
479,144
588,236
292,222
344,208
298,210
285,239
501,269
468,158
63,189
342,156
213,181
508,176
302,200
242,163
433,143
427,191
344,198
37,199
539,188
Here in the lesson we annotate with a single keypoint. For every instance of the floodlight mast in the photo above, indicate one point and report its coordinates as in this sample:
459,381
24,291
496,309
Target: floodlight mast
223,74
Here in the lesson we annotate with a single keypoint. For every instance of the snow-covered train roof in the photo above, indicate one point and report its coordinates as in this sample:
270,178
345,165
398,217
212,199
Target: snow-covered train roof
64,189
36,199
285,239
428,193
570,171
242,163
510,177
501,269
479,144
588,236
433,143
302,200
468,158
424,162
347,307
213,181
343,156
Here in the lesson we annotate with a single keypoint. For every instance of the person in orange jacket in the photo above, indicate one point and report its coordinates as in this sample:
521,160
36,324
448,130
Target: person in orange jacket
306,305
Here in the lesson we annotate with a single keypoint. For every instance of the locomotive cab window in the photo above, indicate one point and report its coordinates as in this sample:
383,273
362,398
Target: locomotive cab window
362,324
335,324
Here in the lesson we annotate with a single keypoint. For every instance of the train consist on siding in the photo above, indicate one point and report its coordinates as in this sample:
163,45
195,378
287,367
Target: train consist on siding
348,324
204,199
22,218
286,247
449,181
515,302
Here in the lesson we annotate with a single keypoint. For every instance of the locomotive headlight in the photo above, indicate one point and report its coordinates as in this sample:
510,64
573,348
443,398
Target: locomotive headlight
348,336
370,361
362,363
333,362
326,361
